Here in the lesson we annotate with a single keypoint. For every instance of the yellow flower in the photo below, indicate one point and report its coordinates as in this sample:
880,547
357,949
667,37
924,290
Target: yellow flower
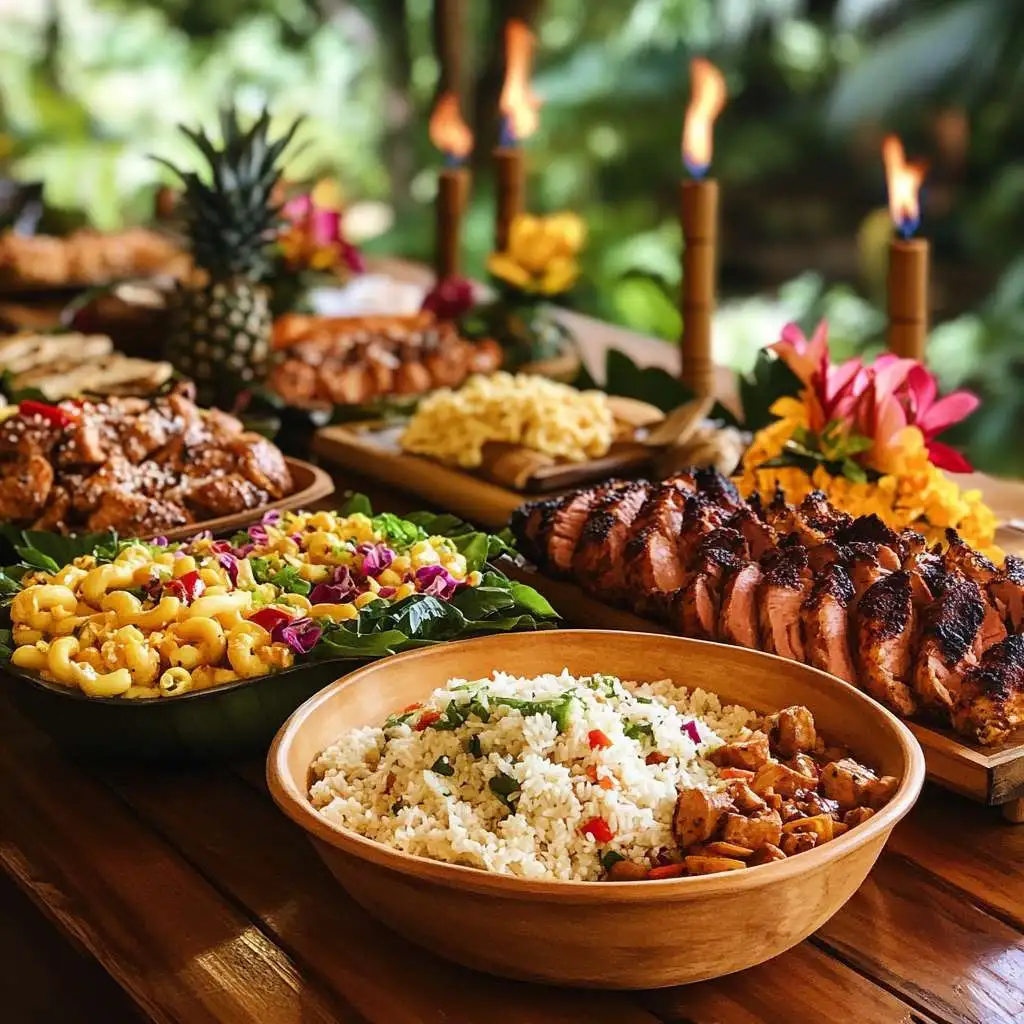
913,493
541,258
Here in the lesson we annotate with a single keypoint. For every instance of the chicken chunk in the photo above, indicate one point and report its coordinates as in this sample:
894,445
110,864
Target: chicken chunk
793,843
784,781
791,731
698,815
749,754
846,782
752,833
766,855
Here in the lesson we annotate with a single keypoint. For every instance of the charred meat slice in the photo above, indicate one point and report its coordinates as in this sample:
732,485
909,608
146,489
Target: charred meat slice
720,489
652,558
991,703
694,608
700,517
884,643
816,520
565,525
928,574
783,590
1007,592
597,560
868,528
760,537
826,616
949,626
865,570
738,619
963,557
529,525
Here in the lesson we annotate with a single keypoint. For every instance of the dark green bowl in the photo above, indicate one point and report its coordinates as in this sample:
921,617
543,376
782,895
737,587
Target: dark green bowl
221,723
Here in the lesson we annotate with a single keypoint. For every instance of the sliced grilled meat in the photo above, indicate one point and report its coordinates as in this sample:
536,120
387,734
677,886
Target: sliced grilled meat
1007,592
974,564
651,556
783,590
884,641
760,537
597,560
927,575
816,519
694,608
864,568
738,619
993,629
868,528
720,489
949,626
826,619
991,701
530,524
700,516
565,525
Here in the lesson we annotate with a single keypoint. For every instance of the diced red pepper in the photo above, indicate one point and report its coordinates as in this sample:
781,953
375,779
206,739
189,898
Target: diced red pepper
598,740
667,871
604,781
736,773
427,718
411,707
656,757
598,829
270,617
187,587
53,413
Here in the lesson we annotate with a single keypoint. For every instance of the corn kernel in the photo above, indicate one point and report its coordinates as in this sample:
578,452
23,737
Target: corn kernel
334,612
364,599
389,578
401,564
184,565
373,585
404,590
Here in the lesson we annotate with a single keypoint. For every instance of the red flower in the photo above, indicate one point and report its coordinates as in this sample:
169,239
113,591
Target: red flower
450,298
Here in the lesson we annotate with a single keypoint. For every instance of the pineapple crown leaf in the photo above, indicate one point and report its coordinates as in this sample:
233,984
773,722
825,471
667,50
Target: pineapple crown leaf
232,216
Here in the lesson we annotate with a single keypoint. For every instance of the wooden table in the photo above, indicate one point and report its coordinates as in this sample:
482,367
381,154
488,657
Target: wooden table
187,897
204,904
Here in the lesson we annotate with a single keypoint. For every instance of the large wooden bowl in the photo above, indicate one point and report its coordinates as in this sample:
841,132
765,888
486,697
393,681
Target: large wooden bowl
603,934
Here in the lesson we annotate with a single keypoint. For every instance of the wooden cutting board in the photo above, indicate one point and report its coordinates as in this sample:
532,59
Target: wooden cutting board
485,497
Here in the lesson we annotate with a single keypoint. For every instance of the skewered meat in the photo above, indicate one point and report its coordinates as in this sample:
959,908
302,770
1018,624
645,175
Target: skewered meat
133,465
850,596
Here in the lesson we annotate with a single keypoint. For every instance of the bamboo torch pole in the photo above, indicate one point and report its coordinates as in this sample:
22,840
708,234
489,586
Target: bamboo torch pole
452,136
908,257
698,213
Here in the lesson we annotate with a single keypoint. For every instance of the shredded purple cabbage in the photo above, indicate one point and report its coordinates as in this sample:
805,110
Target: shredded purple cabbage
229,563
376,558
333,593
387,592
257,534
436,581
160,542
296,537
301,635
219,547
691,730
271,518
242,550
347,577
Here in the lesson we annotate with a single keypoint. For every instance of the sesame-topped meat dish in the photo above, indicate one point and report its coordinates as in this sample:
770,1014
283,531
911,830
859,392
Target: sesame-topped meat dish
137,466
935,632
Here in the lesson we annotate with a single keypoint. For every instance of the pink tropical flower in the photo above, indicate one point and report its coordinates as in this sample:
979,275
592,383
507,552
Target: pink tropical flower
877,401
932,415
313,238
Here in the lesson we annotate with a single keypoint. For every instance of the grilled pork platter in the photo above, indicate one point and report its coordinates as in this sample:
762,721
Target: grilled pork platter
936,633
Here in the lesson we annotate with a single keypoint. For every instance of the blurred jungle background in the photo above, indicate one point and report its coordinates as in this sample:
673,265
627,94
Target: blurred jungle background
89,88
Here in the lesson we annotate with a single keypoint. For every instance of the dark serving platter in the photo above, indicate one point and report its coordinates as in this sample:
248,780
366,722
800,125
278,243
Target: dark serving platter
221,723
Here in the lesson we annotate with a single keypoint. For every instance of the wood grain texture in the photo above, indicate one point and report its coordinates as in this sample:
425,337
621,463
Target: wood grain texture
159,929
610,935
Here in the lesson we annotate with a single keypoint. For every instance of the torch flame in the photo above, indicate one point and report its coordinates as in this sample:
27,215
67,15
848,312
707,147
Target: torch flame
448,131
904,183
706,102
519,106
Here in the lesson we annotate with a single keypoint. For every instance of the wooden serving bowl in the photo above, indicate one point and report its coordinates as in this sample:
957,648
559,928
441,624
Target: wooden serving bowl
599,934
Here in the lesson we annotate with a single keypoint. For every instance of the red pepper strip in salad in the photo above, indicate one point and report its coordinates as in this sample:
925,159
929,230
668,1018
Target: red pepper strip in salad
598,829
187,587
270,617
53,413
598,739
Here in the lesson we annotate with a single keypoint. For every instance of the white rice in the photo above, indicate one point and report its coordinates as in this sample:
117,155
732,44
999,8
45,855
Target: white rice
381,782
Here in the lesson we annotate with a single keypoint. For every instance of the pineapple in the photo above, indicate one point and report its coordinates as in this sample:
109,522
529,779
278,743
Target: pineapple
221,323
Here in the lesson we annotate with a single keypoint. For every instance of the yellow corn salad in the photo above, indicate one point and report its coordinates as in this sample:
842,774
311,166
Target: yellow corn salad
161,620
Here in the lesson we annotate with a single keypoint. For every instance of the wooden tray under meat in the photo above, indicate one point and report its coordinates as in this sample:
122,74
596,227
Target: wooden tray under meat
989,775
486,496
311,484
